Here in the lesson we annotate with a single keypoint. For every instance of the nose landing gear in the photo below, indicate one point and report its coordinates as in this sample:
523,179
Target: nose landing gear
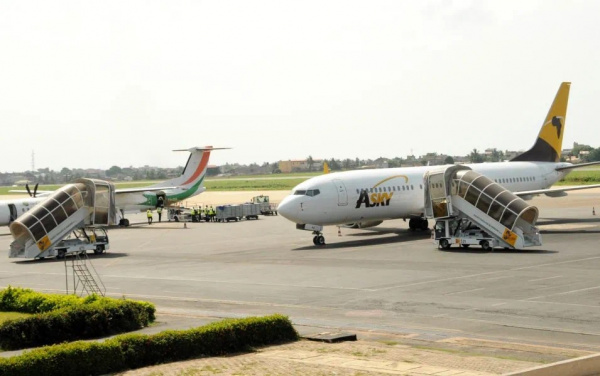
318,238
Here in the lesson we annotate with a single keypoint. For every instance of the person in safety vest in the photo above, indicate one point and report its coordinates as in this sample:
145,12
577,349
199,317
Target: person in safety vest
212,214
159,211
149,215
193,214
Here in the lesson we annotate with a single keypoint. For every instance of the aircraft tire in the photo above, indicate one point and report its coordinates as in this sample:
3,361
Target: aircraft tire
320,240
411,224
423,224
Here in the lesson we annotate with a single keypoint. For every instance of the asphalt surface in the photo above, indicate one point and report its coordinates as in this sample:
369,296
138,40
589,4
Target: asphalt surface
384,279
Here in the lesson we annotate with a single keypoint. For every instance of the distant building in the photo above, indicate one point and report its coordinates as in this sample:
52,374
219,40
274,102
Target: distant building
297,165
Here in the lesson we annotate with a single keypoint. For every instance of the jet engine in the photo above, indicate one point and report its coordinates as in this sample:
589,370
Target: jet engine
364,224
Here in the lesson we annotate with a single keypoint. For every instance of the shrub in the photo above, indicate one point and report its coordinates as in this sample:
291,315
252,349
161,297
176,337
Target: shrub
67,317
135,350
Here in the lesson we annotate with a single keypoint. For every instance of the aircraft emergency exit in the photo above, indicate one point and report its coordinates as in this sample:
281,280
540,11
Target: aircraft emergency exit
367,198
165,193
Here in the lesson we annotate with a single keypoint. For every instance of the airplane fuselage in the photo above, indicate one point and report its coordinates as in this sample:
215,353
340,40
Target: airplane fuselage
383,194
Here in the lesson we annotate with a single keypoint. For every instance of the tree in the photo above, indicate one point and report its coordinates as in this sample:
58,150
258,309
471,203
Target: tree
594,155
114,170
475,157
347,164
310,162
496,155
449,160
334,165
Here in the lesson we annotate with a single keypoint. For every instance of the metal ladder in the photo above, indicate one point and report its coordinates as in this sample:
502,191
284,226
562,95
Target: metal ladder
85,280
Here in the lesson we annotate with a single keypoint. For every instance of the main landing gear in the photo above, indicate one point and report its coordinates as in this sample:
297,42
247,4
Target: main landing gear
123,222
318,239
417,223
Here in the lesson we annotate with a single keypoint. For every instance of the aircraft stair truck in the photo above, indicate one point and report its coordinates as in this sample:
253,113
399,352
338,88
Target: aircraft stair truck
87,203
471,209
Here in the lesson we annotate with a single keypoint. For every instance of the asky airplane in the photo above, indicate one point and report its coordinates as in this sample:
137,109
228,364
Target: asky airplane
366,198
165,193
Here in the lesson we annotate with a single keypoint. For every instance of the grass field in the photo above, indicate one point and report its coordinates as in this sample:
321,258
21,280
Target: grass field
253,185
282,182
11,315
581,177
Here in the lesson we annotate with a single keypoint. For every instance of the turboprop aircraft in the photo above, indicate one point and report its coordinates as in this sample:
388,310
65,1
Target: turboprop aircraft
366,198
165,193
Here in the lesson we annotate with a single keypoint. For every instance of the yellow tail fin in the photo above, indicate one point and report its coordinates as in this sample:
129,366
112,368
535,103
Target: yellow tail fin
326,169
548,145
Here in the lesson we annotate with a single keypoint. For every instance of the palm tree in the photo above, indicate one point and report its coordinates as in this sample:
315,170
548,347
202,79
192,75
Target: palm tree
310,162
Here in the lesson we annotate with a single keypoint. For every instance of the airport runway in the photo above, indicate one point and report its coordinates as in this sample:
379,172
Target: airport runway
385,278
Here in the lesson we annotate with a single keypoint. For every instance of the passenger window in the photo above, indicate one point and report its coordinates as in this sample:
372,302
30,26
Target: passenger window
420,186
394,188
412,188
403,187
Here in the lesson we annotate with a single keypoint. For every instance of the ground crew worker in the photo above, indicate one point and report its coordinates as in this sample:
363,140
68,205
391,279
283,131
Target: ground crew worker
159,211
149,215
193,214
207,213
212,214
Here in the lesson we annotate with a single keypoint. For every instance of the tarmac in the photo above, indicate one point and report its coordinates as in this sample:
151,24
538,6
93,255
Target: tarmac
382,281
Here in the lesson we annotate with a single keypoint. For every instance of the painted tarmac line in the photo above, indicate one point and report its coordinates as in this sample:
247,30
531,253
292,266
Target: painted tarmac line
543,279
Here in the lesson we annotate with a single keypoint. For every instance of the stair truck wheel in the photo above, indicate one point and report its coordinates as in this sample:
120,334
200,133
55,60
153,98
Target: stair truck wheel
444,244
486,245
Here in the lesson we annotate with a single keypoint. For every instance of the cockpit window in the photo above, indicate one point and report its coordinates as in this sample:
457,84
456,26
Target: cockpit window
300,193
312,192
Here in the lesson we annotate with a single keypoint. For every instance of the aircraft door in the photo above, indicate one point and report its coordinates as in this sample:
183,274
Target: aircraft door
14,214
341,192
161,198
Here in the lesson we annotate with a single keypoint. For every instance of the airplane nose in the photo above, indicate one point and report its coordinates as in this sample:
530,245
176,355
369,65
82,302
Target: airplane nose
285,208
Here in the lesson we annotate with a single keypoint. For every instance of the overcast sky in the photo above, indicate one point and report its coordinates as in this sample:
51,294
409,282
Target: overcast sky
102,83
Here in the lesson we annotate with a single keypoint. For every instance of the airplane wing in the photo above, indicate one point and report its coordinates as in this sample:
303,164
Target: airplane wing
147,189
556,192
38,193
577,166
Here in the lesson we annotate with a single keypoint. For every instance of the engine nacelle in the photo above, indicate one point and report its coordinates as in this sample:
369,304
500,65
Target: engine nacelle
364,224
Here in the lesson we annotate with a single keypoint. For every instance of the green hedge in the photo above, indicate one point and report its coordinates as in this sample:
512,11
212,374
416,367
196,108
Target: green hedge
67,317
135,350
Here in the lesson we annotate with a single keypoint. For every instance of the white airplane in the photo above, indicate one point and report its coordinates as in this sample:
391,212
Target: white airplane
368,197
132,199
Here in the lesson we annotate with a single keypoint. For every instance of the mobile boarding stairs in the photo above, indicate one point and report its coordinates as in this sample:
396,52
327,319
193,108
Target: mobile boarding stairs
461,198
85,203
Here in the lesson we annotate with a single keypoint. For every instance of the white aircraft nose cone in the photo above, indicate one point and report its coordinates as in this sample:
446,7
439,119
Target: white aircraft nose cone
286,209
